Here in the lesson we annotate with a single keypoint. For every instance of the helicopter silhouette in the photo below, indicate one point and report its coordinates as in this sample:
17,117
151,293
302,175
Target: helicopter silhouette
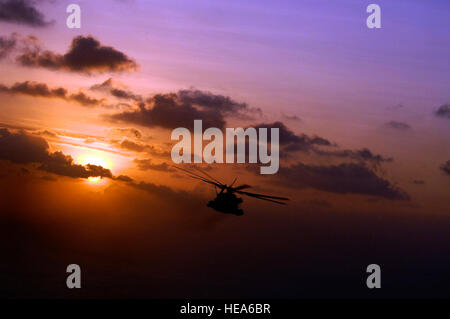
226,201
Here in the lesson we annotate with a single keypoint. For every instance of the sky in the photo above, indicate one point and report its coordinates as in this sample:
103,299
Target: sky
87,177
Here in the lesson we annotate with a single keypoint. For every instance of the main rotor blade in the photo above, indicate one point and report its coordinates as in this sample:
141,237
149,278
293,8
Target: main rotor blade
206,181
263,198
261,195
189,172
244,186
199,177
206,174
233,182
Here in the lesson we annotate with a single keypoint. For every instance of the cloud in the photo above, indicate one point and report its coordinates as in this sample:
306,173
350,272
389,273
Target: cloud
443,111
446,167
22,12
16,42
133,146
363,155
60,164
343,178
86,55
129,145
397,125
24,148
86,100
7,45
34,89
223,103
290,141
180,109
147,164
108,86
164,110
42,90
123,178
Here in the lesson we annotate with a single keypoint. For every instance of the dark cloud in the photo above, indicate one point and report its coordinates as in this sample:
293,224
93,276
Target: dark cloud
397,125
22,12
42,90
446,167
290,141
343,178
24,148
123,178
164,110
147,164
60,164
109,87
86,100
34,89
85,55
363,155
7,45
223,103
443,111
180,109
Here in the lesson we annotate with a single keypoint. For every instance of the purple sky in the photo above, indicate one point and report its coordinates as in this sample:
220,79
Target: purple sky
290,51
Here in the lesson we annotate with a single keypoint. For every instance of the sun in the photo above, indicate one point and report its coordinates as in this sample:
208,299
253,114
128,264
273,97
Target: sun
94,159
95,179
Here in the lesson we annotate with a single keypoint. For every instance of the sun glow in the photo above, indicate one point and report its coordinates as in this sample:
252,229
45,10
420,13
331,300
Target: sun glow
83,155
92,159
95,179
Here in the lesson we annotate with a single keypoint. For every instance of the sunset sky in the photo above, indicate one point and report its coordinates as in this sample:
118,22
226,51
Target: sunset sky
85,124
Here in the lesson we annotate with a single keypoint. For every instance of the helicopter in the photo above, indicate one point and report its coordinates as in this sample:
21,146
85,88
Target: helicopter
226,201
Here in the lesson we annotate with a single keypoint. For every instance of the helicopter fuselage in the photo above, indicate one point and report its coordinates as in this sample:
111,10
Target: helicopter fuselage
227,203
